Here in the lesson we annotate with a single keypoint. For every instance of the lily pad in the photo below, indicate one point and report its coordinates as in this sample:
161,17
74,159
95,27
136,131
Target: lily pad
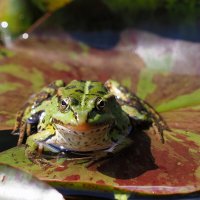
162,71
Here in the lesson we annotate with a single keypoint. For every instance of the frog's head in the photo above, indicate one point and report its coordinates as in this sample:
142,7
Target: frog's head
84,106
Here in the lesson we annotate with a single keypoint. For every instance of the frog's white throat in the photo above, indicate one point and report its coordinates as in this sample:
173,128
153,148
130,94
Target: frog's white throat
94,130
91,139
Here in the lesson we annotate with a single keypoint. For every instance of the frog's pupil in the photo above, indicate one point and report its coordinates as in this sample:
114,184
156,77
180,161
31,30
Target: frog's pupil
63,103
100,104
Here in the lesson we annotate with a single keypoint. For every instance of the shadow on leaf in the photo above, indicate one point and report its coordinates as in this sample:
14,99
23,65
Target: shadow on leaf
132,161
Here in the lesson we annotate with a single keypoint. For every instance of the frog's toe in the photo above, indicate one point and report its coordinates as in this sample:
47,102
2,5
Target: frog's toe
158,131
93,158
31,155
36,158
100,157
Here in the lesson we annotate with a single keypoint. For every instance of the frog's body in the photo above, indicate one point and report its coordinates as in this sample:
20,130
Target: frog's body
81,117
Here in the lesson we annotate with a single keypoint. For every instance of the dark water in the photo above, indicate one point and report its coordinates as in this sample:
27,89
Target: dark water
7,140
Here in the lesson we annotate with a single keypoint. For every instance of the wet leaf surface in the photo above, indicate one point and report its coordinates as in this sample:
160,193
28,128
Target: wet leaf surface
162,71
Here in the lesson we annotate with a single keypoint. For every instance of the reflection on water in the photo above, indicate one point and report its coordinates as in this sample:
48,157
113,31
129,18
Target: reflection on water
5,35
25,36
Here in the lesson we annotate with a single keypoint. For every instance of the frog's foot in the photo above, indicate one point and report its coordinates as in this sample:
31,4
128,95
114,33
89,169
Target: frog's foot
18,121
23,130
102,155
94,158
37,158
20,127
35,154
159,130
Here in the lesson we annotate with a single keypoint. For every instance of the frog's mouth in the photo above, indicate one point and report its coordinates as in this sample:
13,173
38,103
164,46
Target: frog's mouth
83,129
79,130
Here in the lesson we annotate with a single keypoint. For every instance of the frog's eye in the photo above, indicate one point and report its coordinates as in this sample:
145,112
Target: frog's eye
64,105
100,104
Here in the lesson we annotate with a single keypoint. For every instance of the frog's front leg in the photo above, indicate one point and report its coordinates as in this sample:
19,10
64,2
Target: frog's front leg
34,147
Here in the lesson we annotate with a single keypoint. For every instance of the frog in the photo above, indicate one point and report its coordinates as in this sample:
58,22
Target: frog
83,119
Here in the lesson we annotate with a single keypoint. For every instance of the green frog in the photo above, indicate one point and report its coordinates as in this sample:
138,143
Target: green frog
83,119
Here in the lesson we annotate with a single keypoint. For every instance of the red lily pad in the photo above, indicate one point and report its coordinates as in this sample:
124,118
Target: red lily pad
159,70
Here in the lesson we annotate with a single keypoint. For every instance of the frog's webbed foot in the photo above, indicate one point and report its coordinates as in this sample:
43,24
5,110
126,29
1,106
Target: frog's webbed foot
23,126
23,130
20,126
159,125
95,157
34,148
78,157
102,155
38,158
158,130
18,120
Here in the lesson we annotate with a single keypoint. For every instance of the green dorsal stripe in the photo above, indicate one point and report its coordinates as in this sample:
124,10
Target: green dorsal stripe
86,91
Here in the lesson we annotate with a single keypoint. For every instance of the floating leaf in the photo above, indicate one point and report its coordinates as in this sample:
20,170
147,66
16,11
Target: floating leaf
162,71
